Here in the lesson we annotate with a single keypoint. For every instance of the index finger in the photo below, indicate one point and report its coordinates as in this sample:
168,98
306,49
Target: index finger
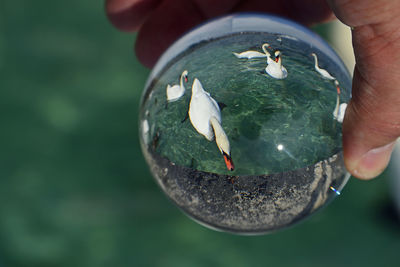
129,15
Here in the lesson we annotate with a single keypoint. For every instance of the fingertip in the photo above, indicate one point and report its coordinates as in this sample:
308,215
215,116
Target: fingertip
143,55
371,164
366,152
129,15
371,126
148,46
165,25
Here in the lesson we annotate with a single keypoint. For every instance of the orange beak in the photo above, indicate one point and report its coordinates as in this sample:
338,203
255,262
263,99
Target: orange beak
228,162
338,90
186,79
277,59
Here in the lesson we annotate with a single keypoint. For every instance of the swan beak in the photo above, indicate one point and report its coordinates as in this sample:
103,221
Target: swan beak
228,162
277,59
186,79
338,90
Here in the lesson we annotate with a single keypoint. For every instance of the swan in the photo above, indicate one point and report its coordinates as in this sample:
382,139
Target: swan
253,54
275,68
176,91
337,86
205,116
324,73
340,110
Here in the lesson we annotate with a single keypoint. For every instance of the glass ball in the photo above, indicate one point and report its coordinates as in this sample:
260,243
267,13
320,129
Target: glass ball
240,123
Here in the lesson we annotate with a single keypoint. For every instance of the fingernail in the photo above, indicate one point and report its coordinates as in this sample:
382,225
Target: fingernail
373,162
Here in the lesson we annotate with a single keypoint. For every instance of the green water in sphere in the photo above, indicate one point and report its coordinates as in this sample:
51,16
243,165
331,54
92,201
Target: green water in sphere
272,125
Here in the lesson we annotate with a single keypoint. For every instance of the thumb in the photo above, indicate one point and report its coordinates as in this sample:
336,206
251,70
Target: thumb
372,122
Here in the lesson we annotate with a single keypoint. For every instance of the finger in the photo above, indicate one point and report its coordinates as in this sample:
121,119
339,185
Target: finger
307,12
372,121
169,21
129,15
174,17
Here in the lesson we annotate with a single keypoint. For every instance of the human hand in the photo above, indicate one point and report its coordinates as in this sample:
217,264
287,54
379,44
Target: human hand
160,22
372,120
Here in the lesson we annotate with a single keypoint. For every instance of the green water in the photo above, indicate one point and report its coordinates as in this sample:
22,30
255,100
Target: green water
261,115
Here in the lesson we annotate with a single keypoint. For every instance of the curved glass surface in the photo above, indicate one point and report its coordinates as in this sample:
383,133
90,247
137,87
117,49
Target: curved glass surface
254,102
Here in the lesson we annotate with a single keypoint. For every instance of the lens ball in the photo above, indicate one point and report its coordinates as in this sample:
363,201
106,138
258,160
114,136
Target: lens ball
241,120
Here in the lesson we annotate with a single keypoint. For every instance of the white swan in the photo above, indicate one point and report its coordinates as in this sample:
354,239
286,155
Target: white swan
178,90
275,68
324,73
253,54
340,110
205,116
337,86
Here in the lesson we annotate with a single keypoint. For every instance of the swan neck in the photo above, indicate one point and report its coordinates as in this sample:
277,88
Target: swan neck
264,48
181,81
220,136
337,106
218,131
316,61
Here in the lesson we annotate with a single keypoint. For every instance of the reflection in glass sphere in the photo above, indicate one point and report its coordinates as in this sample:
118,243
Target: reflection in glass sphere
240,123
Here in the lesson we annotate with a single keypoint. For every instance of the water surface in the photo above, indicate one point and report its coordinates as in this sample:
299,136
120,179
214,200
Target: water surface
272,125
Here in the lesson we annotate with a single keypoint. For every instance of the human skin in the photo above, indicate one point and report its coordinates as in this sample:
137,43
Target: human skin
372,121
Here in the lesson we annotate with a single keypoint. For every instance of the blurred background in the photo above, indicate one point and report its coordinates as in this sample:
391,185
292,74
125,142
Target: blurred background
76,191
